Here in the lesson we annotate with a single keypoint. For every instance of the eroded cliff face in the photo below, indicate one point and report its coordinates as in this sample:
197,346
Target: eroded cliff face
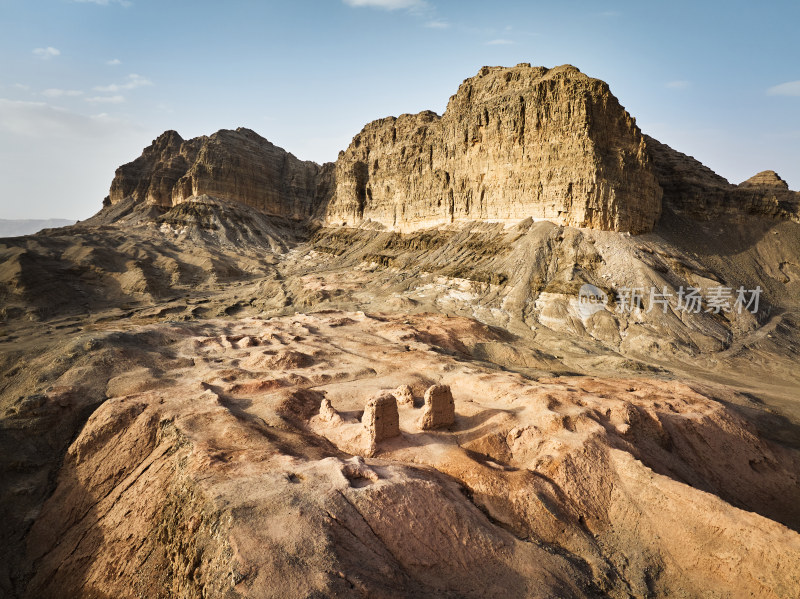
513,143
182,390
151,177
692,189
235,165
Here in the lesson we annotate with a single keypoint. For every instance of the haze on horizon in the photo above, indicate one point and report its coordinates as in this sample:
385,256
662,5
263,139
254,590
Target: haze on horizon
86,84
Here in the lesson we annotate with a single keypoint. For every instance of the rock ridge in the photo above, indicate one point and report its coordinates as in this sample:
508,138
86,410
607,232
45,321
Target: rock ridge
693,189
513,143
237,165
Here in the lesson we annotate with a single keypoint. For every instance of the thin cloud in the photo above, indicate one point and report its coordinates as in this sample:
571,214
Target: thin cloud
133,81
106,99
47,53
125,3
60,93
790,88
419,9
499,42
114,62
387,4
43,121
677,84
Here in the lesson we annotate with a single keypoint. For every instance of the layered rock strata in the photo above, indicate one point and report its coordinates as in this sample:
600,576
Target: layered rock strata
235,165
693,189
514,143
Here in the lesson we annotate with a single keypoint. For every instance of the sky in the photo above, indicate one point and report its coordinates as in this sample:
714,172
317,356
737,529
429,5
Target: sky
85,85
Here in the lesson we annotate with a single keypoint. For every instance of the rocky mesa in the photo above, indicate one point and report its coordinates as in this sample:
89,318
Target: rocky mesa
514,143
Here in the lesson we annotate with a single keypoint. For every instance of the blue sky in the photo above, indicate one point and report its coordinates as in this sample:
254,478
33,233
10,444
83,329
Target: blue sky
86,84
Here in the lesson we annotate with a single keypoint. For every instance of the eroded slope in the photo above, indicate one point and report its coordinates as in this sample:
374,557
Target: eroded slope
557,487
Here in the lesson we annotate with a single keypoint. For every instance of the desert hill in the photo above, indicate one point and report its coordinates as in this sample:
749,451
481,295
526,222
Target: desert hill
184,377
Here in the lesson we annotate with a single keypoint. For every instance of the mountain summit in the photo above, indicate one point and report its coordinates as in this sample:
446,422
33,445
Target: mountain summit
514,143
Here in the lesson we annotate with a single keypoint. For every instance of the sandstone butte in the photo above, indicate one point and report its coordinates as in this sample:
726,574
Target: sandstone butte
513,143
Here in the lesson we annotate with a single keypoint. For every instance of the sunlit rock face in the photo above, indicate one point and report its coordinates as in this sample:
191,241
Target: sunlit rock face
513,143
